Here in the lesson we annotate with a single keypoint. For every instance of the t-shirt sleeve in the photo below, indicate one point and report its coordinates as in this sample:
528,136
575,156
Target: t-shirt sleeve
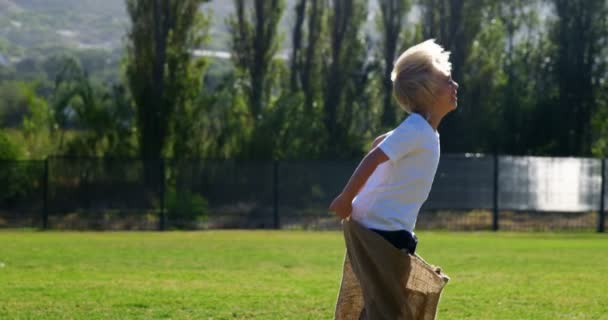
400,142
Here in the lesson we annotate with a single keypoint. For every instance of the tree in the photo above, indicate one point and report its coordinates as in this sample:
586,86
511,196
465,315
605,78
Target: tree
296,60
254,45
529,85
312,73
392,14
344,64
485,81
191,112
103,115
455,24
37,124
13,103
579,34
9,150
226,127
307,51
160,68
295,116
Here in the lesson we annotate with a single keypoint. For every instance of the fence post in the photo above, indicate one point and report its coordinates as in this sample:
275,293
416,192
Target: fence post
495,195
161,218
277,222
45,195
601,214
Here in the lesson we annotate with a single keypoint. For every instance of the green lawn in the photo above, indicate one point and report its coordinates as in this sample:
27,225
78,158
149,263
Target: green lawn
286,275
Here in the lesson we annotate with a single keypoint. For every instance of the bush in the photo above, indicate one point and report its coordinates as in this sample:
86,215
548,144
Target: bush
8,149
17,178
186,209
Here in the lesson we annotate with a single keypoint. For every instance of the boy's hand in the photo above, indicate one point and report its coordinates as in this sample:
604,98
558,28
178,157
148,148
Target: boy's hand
342,206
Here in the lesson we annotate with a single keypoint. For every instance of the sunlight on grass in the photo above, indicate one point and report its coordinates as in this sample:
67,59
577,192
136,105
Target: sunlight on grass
286,275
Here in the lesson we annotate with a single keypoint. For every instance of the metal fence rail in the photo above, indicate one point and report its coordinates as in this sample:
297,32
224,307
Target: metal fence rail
470,192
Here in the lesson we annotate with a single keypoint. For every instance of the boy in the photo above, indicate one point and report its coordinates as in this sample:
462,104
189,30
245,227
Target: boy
393,180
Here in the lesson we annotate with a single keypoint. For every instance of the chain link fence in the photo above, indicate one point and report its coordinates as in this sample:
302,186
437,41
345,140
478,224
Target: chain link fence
470,192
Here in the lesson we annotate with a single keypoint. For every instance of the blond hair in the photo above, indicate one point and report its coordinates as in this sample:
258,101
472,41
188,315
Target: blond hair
414,76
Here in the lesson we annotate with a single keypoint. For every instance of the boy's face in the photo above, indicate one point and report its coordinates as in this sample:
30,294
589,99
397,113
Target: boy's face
446,99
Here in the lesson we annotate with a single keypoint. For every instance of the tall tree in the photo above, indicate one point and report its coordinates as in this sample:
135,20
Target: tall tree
392,17
528,77
159,69
346,19
485,81
456,24
579,34
254,45
311,66
296,60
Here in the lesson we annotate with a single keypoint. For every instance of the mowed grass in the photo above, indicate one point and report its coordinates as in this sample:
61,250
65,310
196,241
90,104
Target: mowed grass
286,274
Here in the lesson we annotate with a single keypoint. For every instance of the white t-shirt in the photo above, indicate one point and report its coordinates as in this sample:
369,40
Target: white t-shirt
392,196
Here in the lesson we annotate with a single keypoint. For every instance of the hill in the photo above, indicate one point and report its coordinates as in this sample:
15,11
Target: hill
26,26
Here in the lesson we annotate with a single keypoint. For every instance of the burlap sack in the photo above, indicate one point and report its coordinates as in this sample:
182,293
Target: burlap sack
381,282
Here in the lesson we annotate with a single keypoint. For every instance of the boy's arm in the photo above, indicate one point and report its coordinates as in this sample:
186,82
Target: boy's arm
342,205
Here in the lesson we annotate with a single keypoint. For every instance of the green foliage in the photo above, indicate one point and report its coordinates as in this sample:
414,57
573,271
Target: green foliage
580,33
529,83
600,123
389,21
186,209
37,125
189,115
105,115
254,44
18,177
345,76
159,67
532,77
40,116
13,103
485,80
224,124
8,149
294,130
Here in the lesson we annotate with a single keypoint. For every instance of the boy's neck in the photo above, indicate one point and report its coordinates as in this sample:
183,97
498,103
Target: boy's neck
432,119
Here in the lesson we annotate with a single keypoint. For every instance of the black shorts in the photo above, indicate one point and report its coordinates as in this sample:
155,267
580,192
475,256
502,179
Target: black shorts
400,239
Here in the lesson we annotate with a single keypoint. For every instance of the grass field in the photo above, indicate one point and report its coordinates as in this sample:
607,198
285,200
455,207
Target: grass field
286,275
